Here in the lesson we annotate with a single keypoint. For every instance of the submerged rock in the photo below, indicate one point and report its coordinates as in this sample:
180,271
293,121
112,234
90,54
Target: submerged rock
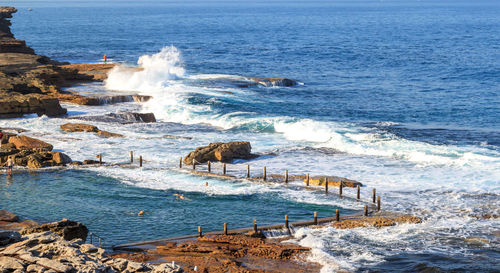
270,82
223,152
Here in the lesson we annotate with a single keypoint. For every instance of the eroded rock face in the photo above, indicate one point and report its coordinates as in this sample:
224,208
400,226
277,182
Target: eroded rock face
223,152
67,229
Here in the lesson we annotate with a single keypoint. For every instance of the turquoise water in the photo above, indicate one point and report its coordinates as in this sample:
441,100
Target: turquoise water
400,95
109,208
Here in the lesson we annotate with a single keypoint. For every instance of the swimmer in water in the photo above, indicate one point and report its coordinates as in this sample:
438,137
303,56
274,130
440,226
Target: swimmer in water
180,196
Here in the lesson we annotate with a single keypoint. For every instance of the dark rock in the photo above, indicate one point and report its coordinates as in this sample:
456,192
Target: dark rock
223,152
90,162
9,237
269,82
67,229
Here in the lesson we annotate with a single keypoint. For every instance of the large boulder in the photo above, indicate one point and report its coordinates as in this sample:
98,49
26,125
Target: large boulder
67,229
223,152
24,142
60,158
79,127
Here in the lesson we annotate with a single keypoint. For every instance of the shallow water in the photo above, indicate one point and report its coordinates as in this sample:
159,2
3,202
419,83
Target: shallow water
400,96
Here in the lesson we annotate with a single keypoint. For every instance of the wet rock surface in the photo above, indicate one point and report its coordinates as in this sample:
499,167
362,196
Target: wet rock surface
223,152
230,253
333,181
377,221
81,127
122,118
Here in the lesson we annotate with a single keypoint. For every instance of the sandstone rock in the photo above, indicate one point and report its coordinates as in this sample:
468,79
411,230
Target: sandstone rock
52,108
25,142
60,158
34,161
79,127
34,268
107,134
167,268
11,264
8,216
54,265
69,230
223,152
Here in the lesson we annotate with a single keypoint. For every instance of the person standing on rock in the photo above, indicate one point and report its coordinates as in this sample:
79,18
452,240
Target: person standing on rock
10,165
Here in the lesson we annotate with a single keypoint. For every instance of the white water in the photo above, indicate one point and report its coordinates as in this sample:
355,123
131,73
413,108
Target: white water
446,185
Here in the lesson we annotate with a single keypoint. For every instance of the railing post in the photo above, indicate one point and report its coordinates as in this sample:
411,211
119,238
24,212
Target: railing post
286,221
180,162
307,180
358,193
131,156
248,171
264,174
337,215
378,203
140,161
340,189
200,232
194,165
224,168
366,210
374,193
100,159
315,218
225,228
209,167
326,184
286,176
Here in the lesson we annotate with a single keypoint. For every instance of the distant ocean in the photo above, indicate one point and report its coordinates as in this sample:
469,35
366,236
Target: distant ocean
403,96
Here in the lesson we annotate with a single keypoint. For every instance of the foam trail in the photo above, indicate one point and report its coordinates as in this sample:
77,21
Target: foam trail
163,76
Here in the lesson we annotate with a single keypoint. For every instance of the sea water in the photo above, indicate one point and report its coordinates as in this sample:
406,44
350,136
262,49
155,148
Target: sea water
402,96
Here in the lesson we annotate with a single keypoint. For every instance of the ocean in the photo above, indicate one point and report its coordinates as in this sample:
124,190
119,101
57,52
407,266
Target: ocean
402,96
